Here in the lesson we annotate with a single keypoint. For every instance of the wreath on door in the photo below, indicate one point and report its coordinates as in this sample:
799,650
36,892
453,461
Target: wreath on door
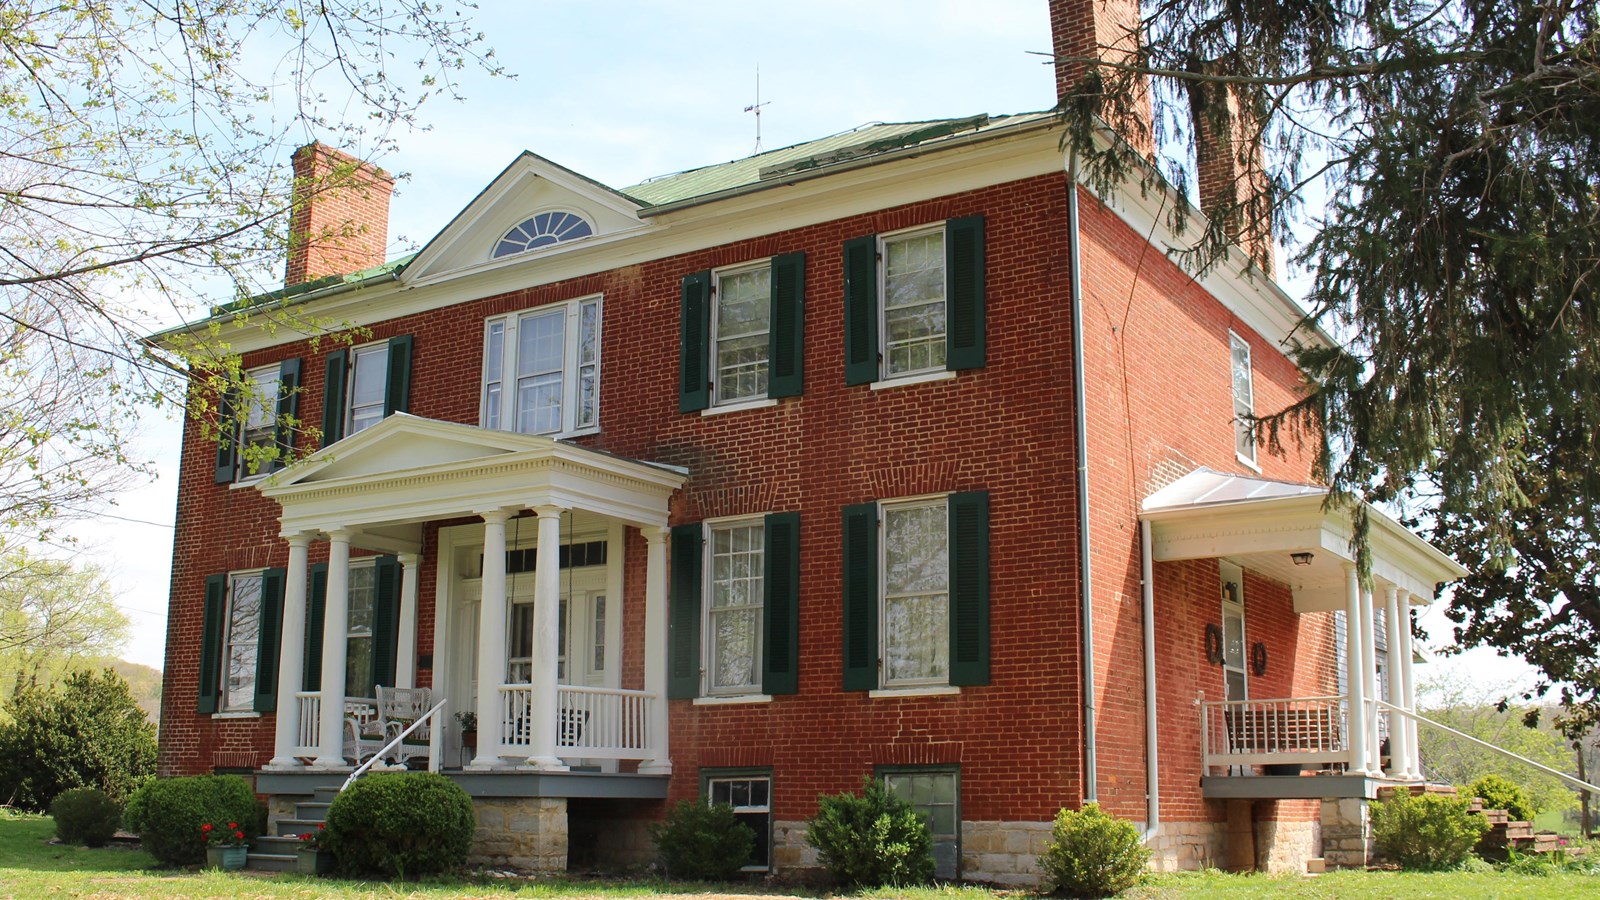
1258,659
1214,643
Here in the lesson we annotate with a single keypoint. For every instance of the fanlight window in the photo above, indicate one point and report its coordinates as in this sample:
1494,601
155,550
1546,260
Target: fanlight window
542,230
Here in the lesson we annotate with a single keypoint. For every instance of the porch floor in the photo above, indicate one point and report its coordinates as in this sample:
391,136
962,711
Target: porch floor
510,783
1323,785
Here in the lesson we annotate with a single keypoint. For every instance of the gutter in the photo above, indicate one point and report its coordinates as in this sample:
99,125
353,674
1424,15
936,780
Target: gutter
1152,757
332,290
1081,448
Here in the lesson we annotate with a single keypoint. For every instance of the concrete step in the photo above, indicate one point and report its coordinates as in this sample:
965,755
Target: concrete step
311,811
272,862
326,794
1316,866
297,827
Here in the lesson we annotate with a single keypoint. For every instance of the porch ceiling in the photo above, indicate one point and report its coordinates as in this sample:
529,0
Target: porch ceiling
1258,523
384,482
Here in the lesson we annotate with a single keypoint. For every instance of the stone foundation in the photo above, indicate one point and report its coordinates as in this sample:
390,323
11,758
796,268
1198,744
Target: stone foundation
1284,847
281,806
1346,833
604,837
520,832
1003,852
1188,846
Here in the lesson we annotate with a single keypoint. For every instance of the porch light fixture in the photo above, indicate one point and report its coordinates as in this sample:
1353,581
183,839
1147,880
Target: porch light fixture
1303,558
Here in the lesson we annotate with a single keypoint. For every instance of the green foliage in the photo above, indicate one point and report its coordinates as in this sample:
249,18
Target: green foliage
85,816
1430,832
55,616
89,733
1451,699
1092,854
703,842
400,825
871,839
168,813
1499,792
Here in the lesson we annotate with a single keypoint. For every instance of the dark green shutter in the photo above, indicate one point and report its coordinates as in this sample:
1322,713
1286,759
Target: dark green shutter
683,637
964,302
861,597
694,349
227,435
397,385
969,588
288,410
333,396
780,579
786,339
267,651
316,613
861,310
385,621
215,613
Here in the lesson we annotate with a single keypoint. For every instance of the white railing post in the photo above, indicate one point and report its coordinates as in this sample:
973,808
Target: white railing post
655,651
291,656
335,628
1354,653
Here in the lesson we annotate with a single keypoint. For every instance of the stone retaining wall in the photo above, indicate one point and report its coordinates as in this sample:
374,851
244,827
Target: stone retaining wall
520,832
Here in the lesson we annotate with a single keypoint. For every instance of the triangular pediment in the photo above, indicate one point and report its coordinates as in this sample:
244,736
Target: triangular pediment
527,188
403,442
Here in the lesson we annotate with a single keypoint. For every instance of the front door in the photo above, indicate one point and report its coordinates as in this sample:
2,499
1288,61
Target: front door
1233,635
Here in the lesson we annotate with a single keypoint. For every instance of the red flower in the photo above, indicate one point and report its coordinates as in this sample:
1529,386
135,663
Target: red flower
238,835
233,825
206,827
322,825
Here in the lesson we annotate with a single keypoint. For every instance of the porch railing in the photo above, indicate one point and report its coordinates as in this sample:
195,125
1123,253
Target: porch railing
308,740
591,723
1266,732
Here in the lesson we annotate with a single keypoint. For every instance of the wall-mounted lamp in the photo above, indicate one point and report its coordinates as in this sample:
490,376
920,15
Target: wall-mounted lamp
1303,558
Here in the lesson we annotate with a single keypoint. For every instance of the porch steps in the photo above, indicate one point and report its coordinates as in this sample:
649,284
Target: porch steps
278,852
1505,835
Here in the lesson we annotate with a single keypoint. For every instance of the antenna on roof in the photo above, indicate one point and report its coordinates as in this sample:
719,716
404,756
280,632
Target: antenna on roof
756,108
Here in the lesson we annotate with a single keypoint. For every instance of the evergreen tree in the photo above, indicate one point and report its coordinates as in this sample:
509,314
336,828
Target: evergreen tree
88,733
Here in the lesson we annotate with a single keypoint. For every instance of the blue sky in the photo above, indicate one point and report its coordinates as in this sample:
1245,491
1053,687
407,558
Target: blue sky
625,91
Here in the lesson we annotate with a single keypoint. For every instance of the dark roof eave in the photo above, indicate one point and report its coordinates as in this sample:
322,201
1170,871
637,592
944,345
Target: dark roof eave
280,299
1039,124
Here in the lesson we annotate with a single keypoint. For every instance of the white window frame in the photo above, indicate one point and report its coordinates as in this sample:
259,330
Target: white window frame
370,564
1234,608
707,596
940,369
750,809
376,353
265,392
226,703
501,412
942,502
1243,393
713,365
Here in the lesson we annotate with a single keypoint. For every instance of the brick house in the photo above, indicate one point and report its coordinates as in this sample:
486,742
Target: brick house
896,453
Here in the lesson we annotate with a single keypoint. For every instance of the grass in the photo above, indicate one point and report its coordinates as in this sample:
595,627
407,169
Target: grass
30,866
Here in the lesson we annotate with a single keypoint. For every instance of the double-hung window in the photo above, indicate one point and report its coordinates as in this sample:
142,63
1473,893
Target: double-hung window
365,384
372,625
916,593
1243,399
239,642
541,369
935,793
914,302
735,616
257,432
742,333
750,795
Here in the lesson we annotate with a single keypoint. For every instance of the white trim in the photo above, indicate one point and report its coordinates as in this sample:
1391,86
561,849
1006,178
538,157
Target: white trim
883,240
741,406
925,377
934,501
714,298
511,323
225,651
352,355
932,690
1248,463
236,714
732,700
708,528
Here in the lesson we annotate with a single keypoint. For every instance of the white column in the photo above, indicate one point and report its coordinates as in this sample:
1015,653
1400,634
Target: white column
405,658
1357,699
655,648
335,628
1399,736
1369,679
1408,697
546,642
492,639
291,655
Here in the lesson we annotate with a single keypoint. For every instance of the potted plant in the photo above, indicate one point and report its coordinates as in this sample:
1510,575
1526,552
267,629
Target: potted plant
226,848
314,857
469,728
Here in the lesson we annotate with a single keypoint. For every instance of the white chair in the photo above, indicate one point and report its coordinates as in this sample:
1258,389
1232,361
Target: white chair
398,708
363,729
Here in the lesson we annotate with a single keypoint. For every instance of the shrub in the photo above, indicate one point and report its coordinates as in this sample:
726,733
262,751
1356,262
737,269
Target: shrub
88,732
704,842
1500,792
168,812
872,839
400,825
1428,832
85,816
1092,854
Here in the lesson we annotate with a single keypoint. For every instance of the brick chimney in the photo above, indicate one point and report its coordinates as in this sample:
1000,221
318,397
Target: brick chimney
1230,167
1107,30
340,221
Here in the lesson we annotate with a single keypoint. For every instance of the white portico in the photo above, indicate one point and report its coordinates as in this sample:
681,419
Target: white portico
378,490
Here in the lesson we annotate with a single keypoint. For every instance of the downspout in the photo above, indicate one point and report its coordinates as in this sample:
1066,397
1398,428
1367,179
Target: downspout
1152,758
1081,435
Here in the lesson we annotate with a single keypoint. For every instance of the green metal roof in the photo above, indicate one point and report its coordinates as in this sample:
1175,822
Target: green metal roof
389,268
859,143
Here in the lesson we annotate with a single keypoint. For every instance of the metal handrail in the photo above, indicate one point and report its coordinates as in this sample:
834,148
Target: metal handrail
433,763
1580,785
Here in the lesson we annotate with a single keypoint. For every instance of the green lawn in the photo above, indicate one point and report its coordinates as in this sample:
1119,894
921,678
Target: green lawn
31,867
